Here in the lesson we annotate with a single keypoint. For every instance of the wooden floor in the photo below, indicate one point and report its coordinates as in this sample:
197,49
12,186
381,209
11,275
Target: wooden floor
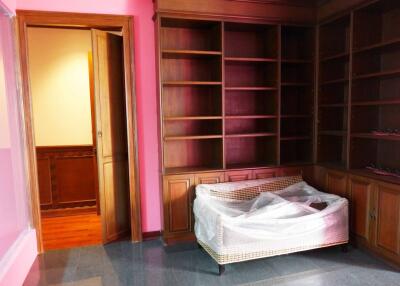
71,231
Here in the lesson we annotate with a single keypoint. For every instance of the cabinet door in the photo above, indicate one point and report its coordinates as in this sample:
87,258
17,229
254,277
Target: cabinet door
209,178
360,191
387,216
336,183
234,176
265,173
177,198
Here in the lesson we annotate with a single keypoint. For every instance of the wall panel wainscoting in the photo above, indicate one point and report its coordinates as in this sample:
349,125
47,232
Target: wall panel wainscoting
67,177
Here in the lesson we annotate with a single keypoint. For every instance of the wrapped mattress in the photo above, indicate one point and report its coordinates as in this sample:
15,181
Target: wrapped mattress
259,218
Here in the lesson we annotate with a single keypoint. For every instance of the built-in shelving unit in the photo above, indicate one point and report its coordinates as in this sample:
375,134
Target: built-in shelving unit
297,94
375,102
359,83
235,95
333,91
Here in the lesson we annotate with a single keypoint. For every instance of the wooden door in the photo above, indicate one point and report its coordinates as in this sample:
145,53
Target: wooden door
177,202
112,151
387,220
361,192
336,183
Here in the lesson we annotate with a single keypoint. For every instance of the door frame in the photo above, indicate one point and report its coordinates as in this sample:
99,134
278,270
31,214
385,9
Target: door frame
27,19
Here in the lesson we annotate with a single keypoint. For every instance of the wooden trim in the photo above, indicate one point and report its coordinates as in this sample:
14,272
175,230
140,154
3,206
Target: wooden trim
90,21
150,235
64,148
295,3
68,211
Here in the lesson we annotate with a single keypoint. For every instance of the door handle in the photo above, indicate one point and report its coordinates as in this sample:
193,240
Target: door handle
99,134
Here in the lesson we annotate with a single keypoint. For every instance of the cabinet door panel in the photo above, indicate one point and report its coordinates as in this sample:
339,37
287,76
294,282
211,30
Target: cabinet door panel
360,196
336,183
265,173
234,176
177,203
209,178
388,218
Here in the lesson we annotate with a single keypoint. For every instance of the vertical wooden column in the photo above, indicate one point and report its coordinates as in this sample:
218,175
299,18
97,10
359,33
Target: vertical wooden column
278,95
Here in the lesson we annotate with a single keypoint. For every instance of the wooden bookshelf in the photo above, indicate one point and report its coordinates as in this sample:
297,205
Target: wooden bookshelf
297,93
333,93
375,81
243,89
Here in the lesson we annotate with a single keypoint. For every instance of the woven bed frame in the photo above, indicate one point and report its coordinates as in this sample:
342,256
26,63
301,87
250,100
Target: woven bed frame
248,193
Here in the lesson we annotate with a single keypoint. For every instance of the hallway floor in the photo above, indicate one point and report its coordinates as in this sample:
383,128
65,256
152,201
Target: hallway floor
150,263
71,231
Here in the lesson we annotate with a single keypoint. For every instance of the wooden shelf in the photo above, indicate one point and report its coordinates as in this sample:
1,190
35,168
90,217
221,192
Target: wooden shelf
336,165
249,165
381,74
294,138
335,81
243,59
296,61
185,82
376,46
250,116
370,174
377,102
176,118
294,84
296,163
262,134
250,88
183,170
192,137
189,53
296,116
333,132
337,56
333,105
374,136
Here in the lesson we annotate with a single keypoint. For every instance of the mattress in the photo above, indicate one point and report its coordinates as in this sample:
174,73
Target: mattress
258,218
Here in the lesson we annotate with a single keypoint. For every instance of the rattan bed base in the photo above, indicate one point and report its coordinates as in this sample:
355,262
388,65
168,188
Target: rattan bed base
233,258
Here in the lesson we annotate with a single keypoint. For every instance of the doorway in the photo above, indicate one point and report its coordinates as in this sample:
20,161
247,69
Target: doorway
98,183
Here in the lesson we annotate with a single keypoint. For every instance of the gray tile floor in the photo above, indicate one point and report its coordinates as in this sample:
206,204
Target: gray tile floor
150,263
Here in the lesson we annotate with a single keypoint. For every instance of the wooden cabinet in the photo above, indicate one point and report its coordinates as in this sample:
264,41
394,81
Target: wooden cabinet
374,209
178,193
336,183
386,221
361,192
242,175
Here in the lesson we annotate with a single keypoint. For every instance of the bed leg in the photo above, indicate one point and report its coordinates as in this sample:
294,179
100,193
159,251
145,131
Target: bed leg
345,247
221,269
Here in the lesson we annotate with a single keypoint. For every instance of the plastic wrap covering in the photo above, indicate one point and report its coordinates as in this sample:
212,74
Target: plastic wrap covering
232,222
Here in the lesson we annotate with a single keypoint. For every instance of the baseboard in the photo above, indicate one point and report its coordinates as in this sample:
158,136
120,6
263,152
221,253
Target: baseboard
16,263
151,235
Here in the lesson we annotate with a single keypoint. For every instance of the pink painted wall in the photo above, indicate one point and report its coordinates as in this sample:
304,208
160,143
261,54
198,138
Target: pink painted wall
17,239
13,196
9,4
142,10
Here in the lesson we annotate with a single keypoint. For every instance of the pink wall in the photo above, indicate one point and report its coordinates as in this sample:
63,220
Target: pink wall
17,239
9,4
142,10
